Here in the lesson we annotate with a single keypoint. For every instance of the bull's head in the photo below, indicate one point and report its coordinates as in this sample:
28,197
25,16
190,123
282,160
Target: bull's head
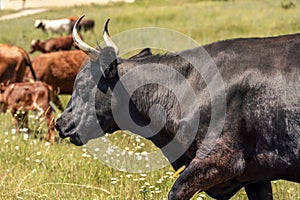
82,121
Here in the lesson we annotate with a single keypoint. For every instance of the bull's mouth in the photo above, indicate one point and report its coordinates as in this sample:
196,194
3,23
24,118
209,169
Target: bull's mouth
75,139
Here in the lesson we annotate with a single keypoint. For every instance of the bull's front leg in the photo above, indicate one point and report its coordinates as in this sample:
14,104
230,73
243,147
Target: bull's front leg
205,171
259,191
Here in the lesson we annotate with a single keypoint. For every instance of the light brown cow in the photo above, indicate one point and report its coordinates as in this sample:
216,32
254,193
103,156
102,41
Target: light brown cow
19,98
52,44
58,69
13,63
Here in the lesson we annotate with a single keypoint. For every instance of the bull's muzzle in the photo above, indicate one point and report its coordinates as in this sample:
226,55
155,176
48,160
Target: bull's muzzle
66,130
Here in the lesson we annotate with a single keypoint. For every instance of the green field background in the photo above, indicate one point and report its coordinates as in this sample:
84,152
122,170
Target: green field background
31,168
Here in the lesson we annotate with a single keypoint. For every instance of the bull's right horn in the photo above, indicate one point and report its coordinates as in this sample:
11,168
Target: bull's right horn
107,39
90,51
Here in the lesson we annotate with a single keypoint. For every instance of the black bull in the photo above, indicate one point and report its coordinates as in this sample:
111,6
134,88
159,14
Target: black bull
260,137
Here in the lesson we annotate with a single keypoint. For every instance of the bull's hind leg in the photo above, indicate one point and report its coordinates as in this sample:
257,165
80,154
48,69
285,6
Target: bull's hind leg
259,191
206,171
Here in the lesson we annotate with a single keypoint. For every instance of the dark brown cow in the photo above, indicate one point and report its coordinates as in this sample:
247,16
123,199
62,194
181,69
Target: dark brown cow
85,25
52,44
13,62
19,98
58,69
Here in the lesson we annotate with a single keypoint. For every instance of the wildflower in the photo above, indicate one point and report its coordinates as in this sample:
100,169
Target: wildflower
37,160
6,133
13,131
25,136
27,158
113,182
128,175
17,148
138,140
290,190
6,141
144,153
47,144
143,175
38,153
130,153
114,179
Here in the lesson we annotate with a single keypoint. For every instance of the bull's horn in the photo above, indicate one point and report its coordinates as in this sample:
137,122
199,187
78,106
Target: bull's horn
90,51
107,39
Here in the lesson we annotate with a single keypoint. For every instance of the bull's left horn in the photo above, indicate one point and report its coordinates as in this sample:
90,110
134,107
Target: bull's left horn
107,39
90,51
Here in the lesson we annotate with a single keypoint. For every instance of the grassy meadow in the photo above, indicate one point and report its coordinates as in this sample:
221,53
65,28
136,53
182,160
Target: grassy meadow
31,168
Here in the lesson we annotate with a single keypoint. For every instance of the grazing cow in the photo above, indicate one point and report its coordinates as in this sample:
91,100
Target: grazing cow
59,26
52,44
13,63
58,69
19,98
85,25
260,137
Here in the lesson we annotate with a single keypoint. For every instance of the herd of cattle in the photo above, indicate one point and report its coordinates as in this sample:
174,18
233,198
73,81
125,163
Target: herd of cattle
32,84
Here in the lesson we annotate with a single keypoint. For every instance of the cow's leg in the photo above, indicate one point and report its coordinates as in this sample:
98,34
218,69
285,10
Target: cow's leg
259,191
25,120
50,122
17,121
206,171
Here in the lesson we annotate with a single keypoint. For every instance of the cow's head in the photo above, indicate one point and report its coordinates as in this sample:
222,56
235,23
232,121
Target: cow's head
89,111
38,23
34,45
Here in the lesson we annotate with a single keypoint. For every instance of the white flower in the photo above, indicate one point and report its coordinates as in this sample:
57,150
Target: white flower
17,148
13,131
6,141
25,136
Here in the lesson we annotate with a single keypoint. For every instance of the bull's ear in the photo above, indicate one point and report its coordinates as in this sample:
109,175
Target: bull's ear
108,62
143,53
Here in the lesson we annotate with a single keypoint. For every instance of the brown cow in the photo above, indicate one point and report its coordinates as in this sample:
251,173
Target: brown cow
13,62
19,98
58,69
52,44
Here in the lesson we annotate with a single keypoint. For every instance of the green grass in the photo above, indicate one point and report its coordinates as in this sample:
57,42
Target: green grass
32,169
